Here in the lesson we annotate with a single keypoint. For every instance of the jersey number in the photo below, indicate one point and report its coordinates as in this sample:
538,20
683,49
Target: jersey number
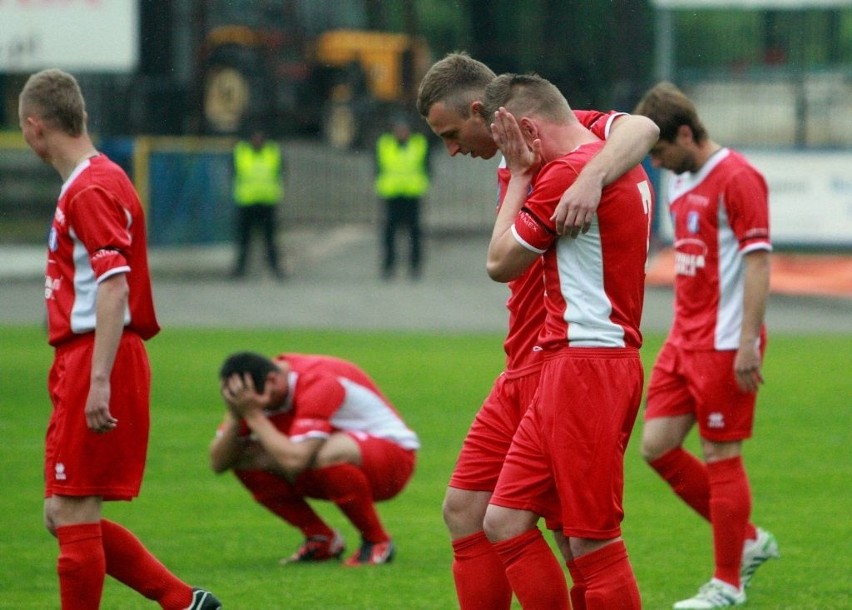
647,199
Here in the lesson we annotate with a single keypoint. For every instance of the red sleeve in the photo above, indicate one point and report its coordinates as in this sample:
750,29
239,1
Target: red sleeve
316,399
101,223
747,206
533,226
596,121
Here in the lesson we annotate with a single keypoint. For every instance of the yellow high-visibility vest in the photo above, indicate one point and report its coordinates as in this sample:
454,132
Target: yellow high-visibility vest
257,174
402,167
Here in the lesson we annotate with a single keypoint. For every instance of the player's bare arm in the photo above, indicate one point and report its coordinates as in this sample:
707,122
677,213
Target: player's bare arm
291,458
111,305
228,450
747,364
631,138
507,259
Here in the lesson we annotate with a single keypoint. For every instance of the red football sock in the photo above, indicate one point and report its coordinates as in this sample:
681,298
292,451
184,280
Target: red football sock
480,575
81,566
687,476
347,486
129,562
609,578
534,573
277,495
730,506
750,532
578,588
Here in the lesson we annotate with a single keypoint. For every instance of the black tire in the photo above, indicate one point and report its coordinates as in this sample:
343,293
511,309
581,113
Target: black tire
234,89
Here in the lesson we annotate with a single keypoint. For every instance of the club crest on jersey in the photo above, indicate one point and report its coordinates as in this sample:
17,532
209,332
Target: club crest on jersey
59,471
692,220
53,239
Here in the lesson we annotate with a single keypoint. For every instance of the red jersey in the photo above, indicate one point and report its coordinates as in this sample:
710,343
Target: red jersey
594,284
526,293
98,231
718,214
328,395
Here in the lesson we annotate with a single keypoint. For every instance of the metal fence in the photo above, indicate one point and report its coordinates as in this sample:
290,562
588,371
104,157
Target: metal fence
762,73
185,184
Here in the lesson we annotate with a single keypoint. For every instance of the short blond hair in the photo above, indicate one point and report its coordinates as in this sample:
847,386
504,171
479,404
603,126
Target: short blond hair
526,95
457,80
55,97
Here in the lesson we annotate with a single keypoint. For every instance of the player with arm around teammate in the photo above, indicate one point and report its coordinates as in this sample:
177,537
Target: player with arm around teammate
450,100
709,368
566,459
311,426
100,312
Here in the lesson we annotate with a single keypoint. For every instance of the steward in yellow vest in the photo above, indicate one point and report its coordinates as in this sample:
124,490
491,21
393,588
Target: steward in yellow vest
257,173
403,166
402,178
258,188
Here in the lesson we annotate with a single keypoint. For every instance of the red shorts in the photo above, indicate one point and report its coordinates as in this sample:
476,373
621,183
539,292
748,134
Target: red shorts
490,436
703,384
387,466
79,462
566,462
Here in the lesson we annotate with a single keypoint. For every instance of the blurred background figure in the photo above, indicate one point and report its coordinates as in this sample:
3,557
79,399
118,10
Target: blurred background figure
258,189
402,179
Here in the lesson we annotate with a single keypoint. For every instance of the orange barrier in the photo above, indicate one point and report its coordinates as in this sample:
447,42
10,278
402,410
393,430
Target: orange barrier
802,274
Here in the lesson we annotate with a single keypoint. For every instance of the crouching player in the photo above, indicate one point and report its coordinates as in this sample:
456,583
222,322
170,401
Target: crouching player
310,426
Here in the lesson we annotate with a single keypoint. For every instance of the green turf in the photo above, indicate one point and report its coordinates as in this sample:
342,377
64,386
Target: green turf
206,528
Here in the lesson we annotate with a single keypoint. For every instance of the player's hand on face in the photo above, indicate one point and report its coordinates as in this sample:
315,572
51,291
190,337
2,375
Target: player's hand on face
240,394
98,417
521,158
576,208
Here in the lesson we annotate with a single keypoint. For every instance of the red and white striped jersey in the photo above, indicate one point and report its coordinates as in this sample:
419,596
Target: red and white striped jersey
98,231
718,214
526,293
328,395
594,284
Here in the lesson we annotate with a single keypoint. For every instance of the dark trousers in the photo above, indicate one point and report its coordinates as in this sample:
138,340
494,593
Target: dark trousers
402,212
249,218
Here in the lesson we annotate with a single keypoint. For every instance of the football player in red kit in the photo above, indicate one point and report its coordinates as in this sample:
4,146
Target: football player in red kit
566,459
311,426
450,100
709,369
99,311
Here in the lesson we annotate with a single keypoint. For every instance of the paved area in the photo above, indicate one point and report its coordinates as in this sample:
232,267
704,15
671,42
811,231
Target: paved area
334,283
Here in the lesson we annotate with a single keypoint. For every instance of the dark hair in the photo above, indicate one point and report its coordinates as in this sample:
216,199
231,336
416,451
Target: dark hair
669,108
256,365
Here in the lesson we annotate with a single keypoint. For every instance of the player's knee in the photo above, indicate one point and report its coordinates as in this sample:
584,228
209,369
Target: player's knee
650,450
463,512
453,510
494,527
50,526
49,522
504,523
654,446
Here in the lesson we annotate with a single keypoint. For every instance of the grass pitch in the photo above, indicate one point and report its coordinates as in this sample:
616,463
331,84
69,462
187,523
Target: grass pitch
207,529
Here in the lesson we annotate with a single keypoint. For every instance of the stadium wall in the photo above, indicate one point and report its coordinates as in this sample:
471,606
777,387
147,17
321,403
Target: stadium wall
185,184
